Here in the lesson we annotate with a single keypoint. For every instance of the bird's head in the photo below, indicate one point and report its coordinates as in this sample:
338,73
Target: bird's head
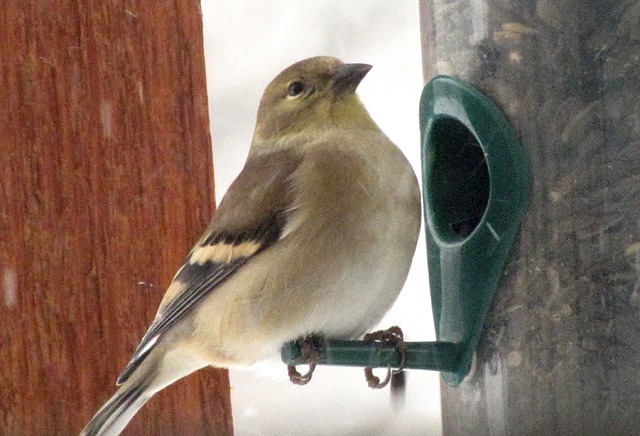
309,97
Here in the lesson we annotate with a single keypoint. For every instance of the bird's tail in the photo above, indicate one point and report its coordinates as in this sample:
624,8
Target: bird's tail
114,416
158,370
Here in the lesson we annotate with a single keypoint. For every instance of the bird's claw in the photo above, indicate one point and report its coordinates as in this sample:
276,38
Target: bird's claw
300,379
394,336
373,381
309,354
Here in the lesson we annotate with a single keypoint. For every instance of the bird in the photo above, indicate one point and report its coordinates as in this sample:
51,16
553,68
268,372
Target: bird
314,237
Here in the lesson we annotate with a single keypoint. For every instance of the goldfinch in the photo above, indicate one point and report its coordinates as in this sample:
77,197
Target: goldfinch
315,236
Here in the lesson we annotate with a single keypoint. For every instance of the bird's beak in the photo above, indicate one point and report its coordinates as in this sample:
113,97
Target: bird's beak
347,77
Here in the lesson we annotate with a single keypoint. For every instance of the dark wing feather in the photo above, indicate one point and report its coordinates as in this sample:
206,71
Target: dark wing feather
250,218
193,293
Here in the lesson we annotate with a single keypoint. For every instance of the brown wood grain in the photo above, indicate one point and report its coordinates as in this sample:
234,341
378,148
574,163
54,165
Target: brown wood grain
106,182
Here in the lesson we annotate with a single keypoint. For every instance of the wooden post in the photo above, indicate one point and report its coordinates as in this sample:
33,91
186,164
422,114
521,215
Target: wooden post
561,348
106,182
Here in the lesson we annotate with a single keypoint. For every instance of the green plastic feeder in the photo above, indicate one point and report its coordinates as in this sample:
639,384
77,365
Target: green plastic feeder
475,187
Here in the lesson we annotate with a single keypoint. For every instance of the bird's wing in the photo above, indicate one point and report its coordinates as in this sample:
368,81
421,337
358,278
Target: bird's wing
250,218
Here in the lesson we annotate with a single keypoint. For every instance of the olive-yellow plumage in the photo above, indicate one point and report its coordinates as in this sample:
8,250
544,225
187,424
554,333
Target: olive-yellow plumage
315,236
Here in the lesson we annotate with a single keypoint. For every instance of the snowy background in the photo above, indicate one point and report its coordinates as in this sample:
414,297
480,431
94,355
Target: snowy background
246,44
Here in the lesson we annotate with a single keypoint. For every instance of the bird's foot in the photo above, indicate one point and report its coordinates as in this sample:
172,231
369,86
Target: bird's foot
310,347
392,335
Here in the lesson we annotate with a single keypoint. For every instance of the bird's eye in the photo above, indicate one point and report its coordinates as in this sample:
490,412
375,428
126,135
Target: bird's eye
295,88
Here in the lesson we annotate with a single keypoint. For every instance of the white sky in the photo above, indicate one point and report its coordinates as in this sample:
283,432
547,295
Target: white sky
246,44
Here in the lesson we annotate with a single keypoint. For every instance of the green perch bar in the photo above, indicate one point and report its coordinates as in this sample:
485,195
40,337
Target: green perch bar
435,356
